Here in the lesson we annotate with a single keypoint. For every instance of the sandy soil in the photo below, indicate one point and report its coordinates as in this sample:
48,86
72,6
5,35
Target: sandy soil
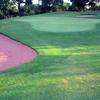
13,53
87,15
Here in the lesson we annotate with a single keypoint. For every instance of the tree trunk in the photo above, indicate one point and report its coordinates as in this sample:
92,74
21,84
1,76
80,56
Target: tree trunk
19,6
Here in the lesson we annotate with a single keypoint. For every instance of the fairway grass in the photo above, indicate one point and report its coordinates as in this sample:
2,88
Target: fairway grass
68,63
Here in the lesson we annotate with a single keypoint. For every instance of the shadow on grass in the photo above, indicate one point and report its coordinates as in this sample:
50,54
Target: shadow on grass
49,40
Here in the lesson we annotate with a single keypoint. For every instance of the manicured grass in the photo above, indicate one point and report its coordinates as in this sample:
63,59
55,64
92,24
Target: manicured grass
68,63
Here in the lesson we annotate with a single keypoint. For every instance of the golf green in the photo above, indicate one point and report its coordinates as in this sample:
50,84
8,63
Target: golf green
68,63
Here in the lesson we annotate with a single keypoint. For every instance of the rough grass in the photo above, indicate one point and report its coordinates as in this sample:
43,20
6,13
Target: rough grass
68,64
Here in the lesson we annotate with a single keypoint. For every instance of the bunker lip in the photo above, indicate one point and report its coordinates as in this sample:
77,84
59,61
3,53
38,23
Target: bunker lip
88,15
14,53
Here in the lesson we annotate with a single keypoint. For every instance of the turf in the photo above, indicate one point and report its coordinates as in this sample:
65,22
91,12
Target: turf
68,63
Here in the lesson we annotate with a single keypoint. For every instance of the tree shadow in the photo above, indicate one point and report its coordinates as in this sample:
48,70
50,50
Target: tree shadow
59,40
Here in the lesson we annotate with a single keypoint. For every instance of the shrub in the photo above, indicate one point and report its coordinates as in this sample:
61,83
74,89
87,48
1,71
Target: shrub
1,15
97,7
66,6
58,8
12,11
31,9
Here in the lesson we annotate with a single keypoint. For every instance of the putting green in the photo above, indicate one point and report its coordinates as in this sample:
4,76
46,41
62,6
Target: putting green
61,24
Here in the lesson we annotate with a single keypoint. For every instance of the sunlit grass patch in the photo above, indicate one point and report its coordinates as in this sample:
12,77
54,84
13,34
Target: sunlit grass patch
84,50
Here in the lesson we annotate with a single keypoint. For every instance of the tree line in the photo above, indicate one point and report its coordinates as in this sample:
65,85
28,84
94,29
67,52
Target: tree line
8,7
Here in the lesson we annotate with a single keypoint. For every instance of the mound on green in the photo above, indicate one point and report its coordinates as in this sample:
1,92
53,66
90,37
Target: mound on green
68,64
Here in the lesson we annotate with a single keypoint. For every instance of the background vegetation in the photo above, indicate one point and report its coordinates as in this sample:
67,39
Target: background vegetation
10,8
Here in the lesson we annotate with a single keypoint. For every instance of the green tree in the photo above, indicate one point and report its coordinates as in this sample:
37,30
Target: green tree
57,2
92,3
19,5
4,6
28,2
46,4
79,4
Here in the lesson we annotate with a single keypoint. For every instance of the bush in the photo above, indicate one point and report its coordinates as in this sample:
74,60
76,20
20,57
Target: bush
36,9
73,8
66,6
1,15
97,7
12,11
31,9
58,8
8,11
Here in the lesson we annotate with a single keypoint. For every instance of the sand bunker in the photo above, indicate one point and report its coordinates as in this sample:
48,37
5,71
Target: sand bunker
13,53
88,15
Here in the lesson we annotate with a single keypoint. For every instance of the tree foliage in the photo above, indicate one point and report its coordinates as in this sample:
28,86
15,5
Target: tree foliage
79,4
28,2
4,4
47,4
4,8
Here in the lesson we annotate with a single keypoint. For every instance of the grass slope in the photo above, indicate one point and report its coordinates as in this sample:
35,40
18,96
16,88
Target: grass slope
68,63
